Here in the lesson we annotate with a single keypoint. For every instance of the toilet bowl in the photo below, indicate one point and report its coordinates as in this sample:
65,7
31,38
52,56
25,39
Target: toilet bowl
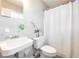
46,50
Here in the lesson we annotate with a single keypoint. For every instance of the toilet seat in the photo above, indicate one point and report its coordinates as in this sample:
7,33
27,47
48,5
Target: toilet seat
48,50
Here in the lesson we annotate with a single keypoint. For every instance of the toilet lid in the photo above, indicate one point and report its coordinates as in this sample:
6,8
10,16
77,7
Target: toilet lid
48,49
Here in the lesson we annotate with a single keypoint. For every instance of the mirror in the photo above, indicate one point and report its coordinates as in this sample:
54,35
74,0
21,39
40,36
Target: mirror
11,8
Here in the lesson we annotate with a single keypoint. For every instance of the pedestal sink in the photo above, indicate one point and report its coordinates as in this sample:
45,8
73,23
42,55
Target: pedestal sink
12,46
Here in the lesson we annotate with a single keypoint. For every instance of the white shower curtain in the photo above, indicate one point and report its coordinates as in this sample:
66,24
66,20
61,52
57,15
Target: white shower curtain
58,28
76,29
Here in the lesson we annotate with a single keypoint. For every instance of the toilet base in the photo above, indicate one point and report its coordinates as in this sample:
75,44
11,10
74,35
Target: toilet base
46,56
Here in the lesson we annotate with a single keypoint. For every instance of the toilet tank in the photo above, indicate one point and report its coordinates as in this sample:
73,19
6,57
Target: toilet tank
39,42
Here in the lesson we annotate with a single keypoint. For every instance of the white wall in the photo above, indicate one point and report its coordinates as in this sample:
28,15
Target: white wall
33,12
58,23
76,29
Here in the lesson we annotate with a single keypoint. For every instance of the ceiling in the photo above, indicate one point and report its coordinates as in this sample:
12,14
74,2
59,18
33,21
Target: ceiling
54,3
48,3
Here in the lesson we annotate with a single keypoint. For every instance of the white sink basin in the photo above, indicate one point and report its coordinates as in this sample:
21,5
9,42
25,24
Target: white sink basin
12,46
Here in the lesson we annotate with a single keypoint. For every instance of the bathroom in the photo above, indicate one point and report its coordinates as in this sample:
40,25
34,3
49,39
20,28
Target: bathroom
39,28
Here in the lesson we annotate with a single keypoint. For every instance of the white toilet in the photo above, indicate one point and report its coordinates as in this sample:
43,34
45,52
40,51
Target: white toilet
46,50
